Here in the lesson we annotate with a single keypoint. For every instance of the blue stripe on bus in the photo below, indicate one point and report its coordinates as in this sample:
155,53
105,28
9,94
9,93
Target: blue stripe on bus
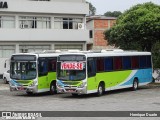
143,75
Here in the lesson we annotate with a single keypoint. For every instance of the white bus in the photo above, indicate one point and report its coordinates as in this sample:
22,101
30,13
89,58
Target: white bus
33,72
96,72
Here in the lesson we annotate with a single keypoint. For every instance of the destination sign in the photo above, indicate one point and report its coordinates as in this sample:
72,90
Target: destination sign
23,57
72,66
71,58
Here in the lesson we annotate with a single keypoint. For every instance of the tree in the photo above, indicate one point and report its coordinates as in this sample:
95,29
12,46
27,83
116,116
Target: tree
156,55
112,14
92,9
137,28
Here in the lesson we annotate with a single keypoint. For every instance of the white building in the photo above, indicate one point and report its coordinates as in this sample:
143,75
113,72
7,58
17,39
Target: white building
36,25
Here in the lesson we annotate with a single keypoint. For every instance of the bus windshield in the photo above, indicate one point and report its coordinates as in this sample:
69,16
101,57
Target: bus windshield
23,70
71,70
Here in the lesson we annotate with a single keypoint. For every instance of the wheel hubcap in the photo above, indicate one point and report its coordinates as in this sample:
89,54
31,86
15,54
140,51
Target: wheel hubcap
135,85
100,90
52,88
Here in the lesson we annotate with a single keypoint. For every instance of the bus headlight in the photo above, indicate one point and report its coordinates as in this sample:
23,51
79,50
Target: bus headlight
59,84
83,84
33,84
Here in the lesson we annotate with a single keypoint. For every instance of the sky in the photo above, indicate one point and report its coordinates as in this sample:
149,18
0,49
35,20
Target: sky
103,6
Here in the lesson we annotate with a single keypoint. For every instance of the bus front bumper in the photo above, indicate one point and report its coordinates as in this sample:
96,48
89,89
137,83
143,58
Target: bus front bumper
74,90
32,89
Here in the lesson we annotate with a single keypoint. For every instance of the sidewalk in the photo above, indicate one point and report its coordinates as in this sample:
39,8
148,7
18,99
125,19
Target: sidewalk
3,86
155,85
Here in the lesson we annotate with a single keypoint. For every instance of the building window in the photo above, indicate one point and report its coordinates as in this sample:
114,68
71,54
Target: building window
109,24
33,48
91,34
68,47
35,22
7,22
66,23
6,51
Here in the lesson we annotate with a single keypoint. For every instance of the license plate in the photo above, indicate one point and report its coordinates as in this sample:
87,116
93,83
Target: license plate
21,88
70,90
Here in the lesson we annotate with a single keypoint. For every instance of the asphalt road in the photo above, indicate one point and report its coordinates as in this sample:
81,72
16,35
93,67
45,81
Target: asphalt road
147,98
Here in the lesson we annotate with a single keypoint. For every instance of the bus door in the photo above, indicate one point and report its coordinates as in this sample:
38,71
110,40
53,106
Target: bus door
91,72
43,73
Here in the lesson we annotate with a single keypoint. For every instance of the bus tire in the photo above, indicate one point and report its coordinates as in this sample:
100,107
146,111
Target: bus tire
100,90
74,94
135,85
53,89
29,93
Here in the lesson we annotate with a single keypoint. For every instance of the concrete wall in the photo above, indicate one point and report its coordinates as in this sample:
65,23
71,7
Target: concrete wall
69,0
43,35
90,26
56,7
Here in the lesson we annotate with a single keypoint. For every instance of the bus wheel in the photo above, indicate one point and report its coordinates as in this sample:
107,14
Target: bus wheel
100,89
135,85
53,89
29,93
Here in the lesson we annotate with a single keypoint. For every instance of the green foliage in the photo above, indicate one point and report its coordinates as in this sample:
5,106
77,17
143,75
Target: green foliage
156,55
112,14
137,28
92,9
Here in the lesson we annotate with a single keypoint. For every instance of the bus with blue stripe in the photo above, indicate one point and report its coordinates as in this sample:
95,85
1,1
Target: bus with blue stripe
97,72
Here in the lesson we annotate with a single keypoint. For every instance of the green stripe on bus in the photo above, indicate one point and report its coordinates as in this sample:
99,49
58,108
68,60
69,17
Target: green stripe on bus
45,81
110,78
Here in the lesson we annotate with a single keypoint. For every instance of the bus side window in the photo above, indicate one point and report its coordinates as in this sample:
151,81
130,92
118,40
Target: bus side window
148,62
100,64
42,67
142,61
117,63
109,64
91,68
135,62
126,62
52,65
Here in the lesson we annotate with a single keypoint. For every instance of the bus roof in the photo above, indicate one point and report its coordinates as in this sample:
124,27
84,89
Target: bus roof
91,53
40,54
107,53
